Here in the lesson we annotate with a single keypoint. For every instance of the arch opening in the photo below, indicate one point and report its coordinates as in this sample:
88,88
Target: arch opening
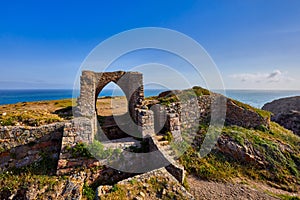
111,103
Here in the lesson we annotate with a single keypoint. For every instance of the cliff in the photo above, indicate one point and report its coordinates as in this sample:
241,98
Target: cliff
286,112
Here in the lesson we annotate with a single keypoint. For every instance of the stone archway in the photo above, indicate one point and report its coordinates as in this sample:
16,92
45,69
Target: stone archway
92,83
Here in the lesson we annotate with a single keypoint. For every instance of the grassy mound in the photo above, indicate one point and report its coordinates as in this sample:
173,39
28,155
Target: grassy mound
279,147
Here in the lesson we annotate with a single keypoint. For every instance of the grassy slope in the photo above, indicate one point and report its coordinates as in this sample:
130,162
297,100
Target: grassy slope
284,168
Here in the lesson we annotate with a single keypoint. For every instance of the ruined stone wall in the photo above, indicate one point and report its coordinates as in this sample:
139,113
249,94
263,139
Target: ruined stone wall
145,122
21,146
77,131
235,114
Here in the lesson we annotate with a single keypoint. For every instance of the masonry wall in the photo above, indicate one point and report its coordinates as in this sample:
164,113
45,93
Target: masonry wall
21,146
77,131
235,114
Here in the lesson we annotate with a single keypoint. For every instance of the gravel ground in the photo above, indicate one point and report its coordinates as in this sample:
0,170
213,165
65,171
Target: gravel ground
201,189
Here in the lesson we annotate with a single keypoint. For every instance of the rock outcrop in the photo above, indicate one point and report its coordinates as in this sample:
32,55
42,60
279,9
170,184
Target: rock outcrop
286,112
245,153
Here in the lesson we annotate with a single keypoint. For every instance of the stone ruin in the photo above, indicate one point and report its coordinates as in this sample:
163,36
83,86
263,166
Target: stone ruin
137,124
143,121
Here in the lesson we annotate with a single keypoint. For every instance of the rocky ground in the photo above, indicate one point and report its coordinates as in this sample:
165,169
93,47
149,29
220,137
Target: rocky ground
207,190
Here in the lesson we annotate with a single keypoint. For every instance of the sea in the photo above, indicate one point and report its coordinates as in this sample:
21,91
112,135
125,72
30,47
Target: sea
256,98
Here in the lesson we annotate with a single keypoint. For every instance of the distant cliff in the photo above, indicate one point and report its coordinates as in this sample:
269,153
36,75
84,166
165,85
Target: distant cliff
286,112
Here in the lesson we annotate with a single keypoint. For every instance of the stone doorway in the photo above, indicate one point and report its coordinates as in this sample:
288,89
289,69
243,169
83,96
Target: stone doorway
92,83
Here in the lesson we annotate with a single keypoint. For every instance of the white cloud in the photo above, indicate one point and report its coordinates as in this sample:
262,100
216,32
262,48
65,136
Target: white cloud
273,77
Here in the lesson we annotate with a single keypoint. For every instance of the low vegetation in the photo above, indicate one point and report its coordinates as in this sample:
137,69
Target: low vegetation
36,113
183,95
37,174
94,150
154,188
279,147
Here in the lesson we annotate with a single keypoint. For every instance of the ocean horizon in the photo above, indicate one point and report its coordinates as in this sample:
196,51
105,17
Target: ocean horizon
256,98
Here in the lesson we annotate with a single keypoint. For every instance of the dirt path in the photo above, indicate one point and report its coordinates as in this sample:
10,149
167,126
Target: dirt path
212,190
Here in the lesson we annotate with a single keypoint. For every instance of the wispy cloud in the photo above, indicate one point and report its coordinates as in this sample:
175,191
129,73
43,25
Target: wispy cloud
272,77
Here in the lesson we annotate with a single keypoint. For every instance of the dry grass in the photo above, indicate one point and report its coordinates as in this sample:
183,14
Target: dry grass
112,106
46,112
35,113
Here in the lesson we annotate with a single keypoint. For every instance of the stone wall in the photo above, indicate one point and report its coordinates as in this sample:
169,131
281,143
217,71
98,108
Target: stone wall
77,131
192,114
248,118
21,146
145,122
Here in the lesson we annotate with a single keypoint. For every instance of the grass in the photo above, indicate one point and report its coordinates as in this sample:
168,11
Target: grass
168,136
213,167
287,197
93,150
184,95
98,151
278,146
35,113
199,91
88,192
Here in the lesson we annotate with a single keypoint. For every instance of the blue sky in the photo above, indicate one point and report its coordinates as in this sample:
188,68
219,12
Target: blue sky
254,43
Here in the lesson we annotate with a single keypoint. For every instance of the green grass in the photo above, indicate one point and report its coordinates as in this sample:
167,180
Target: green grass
184,95
168,136
11,181
287,197
283,166
199,91
98,151
65,103
88,192
93,150
213,167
